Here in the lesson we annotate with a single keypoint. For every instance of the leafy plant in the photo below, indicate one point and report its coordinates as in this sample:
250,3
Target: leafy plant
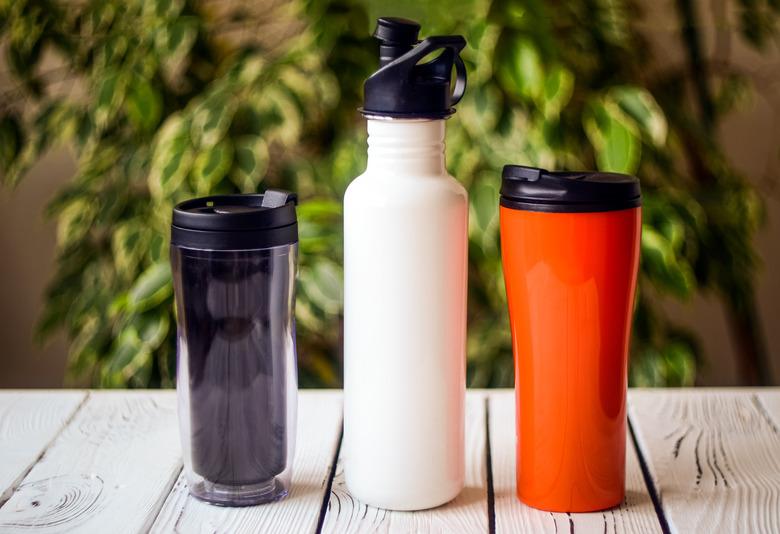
168,99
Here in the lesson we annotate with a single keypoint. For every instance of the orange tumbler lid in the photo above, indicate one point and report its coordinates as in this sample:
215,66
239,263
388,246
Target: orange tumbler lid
534,189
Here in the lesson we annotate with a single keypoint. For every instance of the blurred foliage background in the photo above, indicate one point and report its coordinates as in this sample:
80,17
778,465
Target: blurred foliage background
168,99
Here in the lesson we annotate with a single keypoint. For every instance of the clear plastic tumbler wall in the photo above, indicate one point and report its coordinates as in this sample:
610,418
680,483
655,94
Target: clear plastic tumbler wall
570,249
234,262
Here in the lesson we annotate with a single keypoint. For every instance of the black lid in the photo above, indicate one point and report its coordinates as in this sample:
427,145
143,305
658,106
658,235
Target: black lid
236,222
403,89
529,188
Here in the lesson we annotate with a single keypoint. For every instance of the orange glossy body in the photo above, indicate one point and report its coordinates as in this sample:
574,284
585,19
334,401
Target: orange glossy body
570,280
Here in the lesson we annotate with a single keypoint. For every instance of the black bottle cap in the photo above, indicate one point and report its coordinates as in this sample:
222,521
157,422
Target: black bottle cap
236,222
532,189
402,88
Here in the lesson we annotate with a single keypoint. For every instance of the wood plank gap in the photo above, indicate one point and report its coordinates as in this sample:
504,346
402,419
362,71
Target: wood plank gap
113,462
636,514
467,512
491,496
317,437
161,503
764,413
329,485
8,493
655,495
712,456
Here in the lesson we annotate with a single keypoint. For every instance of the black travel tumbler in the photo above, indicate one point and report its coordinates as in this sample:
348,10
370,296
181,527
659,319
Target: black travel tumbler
234,262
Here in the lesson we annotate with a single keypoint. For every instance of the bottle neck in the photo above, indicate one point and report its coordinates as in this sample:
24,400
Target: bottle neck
406,146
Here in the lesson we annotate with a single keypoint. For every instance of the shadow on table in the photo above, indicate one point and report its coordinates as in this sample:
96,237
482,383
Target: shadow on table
636,499
467,497
303,491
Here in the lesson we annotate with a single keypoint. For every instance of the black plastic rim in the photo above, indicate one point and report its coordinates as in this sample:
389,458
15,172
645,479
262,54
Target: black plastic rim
568,208
535,189
392,115
236,222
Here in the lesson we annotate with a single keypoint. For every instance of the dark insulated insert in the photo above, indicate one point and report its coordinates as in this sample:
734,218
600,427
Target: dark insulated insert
235,309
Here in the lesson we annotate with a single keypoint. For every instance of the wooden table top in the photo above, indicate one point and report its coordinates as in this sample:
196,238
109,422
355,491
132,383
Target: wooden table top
698,460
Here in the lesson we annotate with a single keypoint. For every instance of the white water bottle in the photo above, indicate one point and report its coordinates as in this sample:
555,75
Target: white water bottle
405,280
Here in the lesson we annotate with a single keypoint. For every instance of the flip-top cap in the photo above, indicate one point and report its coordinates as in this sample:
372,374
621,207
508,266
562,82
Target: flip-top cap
405,88
533,189
236,222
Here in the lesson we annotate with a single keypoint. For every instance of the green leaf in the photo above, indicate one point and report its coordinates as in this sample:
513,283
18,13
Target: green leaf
323,285
484,205
172,158
74,221
251,162
165,8
211,120
101,15
211,165
680,364
177,39
662,265
152,288
614,138
558,88
483,220
284,107
319,222
128,244
60,121
110,95
640,105
527,70
10,141
143,105
129,362
317,208
152,329
158,248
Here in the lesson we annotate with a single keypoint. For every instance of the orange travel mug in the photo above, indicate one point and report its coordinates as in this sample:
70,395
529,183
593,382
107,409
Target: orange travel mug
570,251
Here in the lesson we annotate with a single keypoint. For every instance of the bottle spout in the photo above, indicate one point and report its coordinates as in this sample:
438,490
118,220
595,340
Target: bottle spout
396,37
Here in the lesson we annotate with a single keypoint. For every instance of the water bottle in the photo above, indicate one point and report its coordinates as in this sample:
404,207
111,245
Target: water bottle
234,261
570,252
405,278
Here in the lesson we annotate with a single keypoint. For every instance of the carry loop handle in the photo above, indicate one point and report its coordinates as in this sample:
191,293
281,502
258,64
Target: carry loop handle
442,65
460,80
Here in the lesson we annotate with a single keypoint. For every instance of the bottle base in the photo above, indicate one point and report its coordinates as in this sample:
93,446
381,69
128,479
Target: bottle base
240,495
407,507
569,507
402,501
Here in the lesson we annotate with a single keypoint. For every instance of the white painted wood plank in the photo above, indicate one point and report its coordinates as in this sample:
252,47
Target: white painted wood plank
714,457
636,514
318,434
29,421
465,514
109,470
769,399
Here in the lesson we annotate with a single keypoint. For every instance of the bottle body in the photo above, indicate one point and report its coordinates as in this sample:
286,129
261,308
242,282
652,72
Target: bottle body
570,281
405,277
236,376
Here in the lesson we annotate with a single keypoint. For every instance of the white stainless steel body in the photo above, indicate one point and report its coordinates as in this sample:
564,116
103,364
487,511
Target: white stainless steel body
405,279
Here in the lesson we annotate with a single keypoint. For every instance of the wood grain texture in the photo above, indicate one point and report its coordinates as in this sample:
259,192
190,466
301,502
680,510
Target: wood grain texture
29,421
465,514
318,434
714,457
109,470
636,514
